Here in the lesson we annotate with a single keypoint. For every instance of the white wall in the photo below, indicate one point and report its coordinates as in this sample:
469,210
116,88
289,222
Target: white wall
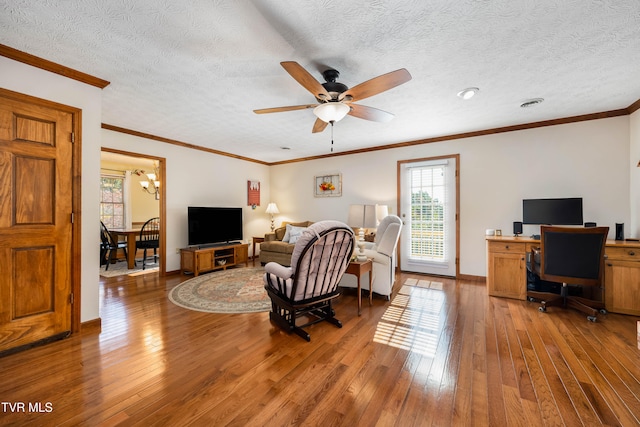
28,80
586,159
634,164
198,178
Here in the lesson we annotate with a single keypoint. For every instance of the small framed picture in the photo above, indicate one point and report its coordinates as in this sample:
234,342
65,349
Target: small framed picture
328,185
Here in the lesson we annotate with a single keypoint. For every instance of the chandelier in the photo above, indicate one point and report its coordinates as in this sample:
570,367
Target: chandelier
152,186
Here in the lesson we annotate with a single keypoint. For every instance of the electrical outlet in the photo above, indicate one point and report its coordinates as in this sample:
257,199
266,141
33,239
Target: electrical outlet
178,250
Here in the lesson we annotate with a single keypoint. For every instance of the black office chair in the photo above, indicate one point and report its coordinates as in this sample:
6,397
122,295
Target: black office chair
109,246
149,239
571,256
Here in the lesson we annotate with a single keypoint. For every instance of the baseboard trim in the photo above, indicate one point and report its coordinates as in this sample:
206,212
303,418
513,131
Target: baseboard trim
91,326
472,278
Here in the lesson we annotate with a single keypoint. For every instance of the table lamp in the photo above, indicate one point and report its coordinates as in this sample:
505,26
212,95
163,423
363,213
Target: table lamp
361,217
272,208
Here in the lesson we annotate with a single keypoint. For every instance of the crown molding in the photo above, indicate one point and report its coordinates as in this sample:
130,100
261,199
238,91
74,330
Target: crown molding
26,58
179,143
525,126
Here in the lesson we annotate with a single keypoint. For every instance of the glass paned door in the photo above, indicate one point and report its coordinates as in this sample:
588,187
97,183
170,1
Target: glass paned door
428,209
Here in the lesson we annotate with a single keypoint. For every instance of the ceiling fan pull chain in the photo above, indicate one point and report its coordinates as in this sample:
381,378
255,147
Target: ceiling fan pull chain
331,135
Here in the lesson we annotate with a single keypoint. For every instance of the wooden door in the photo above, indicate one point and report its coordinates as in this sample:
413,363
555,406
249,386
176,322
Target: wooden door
36,169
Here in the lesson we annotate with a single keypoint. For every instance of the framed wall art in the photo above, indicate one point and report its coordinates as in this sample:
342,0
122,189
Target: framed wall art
328,185
253,193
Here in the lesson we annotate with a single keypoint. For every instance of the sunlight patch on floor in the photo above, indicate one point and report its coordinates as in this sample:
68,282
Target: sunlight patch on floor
412,320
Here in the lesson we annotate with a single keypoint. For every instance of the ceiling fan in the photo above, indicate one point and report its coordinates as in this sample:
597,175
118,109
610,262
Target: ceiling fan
336,100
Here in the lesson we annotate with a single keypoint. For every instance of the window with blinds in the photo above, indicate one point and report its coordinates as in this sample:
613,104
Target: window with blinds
428,232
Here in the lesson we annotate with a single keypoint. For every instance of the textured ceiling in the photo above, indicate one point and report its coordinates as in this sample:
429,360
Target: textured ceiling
194,71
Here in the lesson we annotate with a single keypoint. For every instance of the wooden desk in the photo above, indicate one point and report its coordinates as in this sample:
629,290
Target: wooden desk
507,271
358,268
253,253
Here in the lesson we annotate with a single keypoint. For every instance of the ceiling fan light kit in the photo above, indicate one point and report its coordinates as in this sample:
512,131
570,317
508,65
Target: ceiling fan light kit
331,111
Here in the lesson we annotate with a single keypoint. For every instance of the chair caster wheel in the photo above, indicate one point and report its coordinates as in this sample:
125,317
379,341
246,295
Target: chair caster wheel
591,318
531,299
542,309
603,311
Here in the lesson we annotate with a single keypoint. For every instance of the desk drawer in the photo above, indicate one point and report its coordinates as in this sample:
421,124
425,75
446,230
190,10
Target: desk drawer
623,254
510,247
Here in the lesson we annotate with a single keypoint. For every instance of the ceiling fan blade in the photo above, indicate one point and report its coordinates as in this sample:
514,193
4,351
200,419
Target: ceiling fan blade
303,77
281,109
319,126
376,85
369,113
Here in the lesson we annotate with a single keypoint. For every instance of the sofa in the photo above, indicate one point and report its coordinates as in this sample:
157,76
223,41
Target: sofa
278,245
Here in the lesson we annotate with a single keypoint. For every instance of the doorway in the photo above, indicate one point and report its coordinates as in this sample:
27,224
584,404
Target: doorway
428,206
143,204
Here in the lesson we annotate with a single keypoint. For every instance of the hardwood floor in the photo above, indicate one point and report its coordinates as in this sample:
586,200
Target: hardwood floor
449,356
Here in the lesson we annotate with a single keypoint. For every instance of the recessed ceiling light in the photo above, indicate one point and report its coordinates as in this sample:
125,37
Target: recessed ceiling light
531,102
468,93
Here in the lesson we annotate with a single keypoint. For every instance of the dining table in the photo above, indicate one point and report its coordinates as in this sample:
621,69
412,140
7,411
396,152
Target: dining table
130,235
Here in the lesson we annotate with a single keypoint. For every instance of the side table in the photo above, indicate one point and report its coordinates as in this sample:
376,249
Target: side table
253,249
358,268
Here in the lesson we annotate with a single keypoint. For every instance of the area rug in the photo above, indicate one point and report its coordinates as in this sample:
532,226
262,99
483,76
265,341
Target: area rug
120,269
236,290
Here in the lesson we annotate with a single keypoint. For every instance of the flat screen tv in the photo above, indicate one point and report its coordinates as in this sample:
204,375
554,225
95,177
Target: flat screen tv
214,225
565,211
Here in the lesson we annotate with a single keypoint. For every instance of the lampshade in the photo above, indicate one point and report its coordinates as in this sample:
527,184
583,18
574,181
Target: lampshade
331,111
362,216
272,208
381,212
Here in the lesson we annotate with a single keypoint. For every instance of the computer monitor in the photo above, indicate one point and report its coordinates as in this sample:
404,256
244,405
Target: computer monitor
562,211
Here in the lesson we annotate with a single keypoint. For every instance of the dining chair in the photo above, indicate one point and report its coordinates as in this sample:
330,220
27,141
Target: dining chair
149,239
109,246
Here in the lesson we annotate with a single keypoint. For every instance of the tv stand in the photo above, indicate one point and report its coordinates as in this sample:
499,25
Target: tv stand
208,245
201,259
214,245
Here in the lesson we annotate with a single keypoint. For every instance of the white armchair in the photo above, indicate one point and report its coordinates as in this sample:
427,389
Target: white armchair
382,252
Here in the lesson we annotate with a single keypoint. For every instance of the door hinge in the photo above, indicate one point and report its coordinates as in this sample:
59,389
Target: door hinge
73,137
72,218
71,298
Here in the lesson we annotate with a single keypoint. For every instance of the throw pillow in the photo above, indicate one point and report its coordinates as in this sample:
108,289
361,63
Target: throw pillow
292,234
295,233
287,233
